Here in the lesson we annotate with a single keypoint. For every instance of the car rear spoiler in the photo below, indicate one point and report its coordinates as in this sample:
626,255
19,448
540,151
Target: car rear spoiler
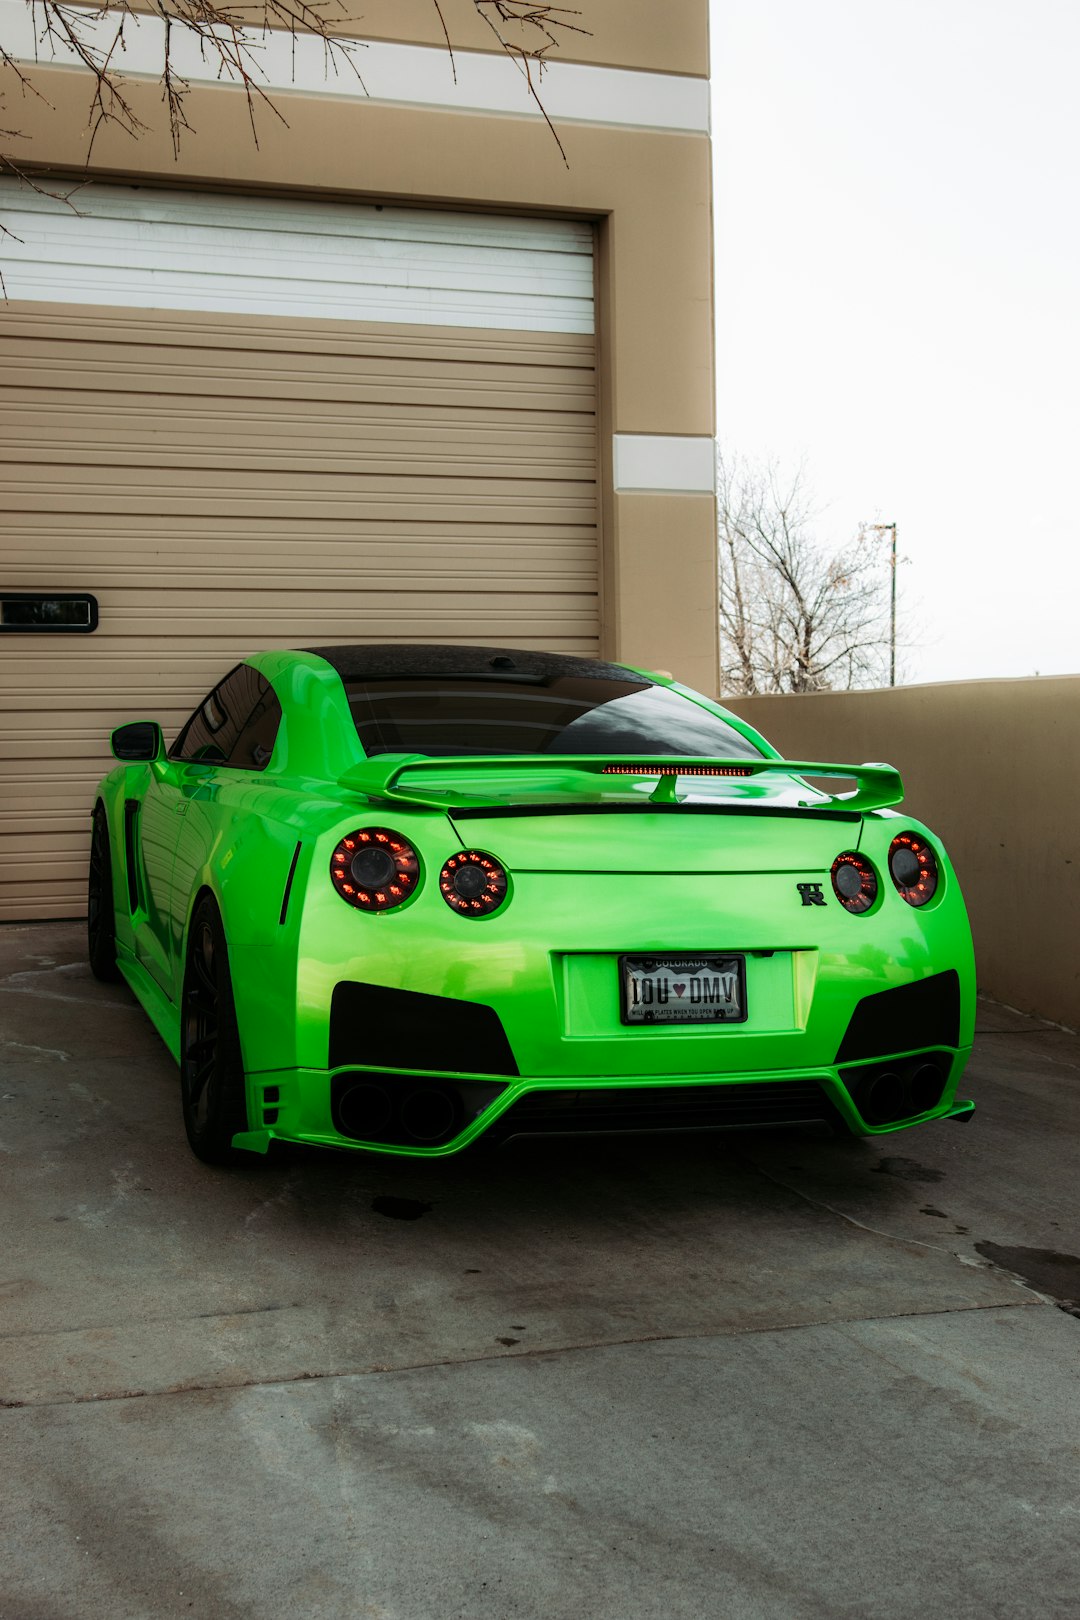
876,786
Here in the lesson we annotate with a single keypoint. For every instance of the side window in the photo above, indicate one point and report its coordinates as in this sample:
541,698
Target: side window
213,730
255,744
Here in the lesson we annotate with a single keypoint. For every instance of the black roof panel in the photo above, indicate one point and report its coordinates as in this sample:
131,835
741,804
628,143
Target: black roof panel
380,661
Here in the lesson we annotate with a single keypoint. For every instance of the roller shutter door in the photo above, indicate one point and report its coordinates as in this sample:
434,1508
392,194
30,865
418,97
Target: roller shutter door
224,479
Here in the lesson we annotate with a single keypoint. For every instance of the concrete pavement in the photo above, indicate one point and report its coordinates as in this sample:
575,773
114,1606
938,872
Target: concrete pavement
762,1376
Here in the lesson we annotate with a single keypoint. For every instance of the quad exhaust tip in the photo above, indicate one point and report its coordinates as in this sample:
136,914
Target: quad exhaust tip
407,1110
885,1093
420,1113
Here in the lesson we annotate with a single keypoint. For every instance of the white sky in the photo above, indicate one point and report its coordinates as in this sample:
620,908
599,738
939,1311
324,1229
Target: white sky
898,299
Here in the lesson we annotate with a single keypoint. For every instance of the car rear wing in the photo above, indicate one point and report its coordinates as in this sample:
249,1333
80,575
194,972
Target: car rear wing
395,777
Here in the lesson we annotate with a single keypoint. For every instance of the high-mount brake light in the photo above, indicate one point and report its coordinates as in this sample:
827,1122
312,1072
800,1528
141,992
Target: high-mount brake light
374,869
647,769
473,883
913,868
854,881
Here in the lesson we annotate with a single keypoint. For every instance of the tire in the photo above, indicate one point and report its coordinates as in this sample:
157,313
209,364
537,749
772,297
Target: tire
212,1084
100,908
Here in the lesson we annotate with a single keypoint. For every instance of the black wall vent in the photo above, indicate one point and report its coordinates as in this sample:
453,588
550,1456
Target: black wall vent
48,612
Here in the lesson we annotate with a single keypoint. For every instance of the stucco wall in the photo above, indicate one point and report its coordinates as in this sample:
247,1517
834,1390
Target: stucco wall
994,768
647,189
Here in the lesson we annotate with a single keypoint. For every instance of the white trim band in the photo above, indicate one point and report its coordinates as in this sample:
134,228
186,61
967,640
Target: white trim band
408,75
655,461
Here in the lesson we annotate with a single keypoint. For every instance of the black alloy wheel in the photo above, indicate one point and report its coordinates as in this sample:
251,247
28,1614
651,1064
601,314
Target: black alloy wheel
211,1065
100,909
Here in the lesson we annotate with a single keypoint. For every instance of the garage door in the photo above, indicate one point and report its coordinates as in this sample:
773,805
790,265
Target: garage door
242,423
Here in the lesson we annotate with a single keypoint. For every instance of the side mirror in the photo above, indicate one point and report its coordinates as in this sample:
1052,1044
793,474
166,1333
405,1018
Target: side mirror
139,740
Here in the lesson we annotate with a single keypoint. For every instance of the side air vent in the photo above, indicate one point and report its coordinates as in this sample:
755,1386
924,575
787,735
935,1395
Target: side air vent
131,852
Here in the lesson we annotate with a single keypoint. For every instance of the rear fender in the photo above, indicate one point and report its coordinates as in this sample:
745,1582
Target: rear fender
263,986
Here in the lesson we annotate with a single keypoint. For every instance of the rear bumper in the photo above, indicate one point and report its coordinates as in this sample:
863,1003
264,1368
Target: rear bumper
511,1018
306,1105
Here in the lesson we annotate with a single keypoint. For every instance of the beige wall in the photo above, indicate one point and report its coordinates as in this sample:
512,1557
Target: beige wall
994,768
660,36
648,190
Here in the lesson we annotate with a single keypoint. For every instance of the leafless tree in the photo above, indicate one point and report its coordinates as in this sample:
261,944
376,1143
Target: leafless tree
228,35
795,616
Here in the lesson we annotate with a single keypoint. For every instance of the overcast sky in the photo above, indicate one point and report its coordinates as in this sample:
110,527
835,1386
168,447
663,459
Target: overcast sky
898,301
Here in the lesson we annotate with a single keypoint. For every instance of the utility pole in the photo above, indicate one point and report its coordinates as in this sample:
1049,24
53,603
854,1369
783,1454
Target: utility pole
890,529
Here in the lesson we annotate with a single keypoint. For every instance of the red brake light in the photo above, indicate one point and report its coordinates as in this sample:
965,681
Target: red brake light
647,769
473,883
854,881
374,869
913,868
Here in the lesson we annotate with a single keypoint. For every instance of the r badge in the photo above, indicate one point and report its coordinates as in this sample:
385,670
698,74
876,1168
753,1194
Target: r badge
811,894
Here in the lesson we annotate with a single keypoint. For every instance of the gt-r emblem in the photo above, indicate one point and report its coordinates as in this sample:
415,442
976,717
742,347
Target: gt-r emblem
811,894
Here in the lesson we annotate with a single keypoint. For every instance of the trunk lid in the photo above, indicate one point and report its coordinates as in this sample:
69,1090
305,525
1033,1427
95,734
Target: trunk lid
681,840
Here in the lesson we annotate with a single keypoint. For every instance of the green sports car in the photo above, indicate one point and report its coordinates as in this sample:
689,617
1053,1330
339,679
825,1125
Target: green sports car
401,898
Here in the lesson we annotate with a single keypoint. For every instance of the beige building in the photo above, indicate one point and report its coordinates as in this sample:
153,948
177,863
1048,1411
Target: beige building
396,372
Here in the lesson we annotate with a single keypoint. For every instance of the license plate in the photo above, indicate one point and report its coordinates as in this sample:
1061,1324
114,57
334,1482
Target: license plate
683,989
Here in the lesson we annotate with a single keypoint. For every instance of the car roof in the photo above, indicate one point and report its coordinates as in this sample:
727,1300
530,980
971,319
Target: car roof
391,659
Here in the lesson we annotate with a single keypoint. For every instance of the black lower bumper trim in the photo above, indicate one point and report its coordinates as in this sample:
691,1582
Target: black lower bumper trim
663,1108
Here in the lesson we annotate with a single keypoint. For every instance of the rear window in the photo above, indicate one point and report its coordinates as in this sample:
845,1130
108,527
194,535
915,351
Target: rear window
450,716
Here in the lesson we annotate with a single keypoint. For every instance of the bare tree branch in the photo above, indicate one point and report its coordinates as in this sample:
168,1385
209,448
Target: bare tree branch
794,617
545,20
229,35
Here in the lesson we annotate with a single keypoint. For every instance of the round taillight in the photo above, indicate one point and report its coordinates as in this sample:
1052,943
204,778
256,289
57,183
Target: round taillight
473,883
913,868
854,881
374,869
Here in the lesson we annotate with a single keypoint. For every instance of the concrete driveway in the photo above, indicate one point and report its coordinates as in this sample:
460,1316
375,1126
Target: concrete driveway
742,1376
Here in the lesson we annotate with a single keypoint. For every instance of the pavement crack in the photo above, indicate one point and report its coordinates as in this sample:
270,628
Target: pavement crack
41,1051
156,1321
1026,1034
75,1001
383,1369
875,1231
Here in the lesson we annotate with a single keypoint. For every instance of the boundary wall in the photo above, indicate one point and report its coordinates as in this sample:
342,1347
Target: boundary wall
993,767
